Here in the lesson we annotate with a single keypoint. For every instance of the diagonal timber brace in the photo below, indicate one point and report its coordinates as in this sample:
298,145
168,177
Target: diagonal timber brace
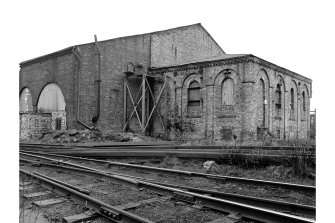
144,88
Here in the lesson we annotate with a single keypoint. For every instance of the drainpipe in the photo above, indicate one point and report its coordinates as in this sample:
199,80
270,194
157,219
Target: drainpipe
95,118
78,90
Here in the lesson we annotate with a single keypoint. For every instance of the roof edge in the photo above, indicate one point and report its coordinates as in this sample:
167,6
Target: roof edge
244,58
58,53
284,70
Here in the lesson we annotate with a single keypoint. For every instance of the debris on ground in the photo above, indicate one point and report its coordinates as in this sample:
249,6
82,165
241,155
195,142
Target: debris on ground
208,164
74,136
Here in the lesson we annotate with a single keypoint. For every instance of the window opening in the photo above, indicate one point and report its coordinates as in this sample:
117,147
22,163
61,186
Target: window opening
228,92
278,99
194,94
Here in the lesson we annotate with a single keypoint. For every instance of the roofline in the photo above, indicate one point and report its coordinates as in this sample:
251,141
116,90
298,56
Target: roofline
244,58
199,62
60,52
286,71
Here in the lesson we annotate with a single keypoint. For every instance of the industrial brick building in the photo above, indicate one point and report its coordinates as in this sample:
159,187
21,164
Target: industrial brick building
157,82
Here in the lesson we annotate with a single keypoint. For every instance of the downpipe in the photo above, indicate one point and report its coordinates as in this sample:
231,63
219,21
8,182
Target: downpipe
78,90
96,117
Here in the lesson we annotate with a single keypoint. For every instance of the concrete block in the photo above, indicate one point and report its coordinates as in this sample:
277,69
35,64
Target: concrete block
82,217
37,194
24,188
45,203
24,183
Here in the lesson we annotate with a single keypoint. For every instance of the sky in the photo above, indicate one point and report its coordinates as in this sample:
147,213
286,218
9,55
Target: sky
296,35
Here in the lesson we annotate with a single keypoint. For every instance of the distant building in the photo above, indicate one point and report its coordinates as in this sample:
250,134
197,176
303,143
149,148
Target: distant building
216,95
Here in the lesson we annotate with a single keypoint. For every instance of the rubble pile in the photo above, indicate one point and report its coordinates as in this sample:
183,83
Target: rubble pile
87,136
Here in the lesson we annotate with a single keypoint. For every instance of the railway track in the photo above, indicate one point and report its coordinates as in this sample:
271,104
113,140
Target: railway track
216,200
290,186
268,155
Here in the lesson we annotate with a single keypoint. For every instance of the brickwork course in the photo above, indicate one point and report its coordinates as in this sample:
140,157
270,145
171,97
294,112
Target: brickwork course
181,55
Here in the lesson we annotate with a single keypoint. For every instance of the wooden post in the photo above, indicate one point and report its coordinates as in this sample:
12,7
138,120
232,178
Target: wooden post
124,101
143,103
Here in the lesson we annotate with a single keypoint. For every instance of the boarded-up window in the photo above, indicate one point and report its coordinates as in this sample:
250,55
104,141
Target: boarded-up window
194,94
228,92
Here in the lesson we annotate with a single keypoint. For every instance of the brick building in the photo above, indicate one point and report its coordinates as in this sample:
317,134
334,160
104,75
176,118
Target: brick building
184,77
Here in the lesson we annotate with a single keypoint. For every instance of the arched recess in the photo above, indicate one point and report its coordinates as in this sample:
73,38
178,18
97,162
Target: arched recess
263,98
226,104
261,103
51,99
293,92
26,102
226,89
194,111
279,116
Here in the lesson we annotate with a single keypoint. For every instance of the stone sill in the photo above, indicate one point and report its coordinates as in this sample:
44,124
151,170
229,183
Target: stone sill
291,119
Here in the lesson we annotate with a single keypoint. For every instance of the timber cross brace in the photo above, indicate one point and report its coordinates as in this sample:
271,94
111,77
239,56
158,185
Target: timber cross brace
144,119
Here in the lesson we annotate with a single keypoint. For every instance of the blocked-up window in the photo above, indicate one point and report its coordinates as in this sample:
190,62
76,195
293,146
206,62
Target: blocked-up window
228,92
194,94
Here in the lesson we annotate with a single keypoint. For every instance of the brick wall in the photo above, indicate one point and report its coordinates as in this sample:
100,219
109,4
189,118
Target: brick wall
182,45
116,54
34,124
59,70
252,116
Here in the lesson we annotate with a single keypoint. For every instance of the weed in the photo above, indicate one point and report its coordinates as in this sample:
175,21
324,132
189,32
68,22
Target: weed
301,160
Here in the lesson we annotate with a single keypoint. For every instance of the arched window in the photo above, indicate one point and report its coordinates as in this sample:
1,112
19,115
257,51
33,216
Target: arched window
228,92
26,102
292,104
278,100
194,94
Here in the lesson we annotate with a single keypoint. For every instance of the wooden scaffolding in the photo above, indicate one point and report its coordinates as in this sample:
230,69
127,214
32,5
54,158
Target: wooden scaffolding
145,93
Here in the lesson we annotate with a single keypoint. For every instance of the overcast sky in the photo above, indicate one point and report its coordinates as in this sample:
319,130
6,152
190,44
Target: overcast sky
296,35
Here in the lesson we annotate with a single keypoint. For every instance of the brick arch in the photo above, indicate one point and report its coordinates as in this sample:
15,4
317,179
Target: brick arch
265,76
221,76
281,80
296,86
304,86
189,78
